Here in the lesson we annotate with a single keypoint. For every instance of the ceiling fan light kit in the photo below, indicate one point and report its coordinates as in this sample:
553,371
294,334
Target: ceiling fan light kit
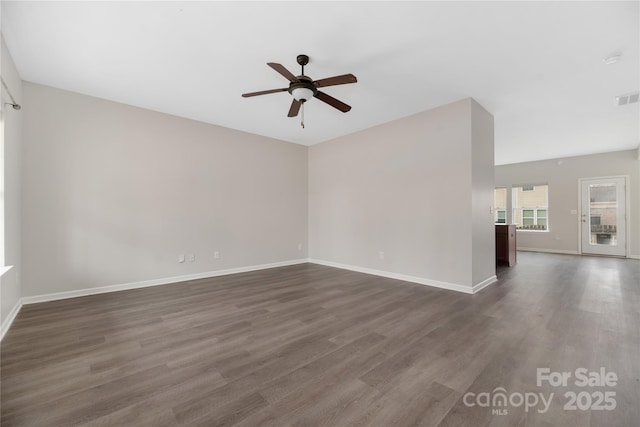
303,88
302,94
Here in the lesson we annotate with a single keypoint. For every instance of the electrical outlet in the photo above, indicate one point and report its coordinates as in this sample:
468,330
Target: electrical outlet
299,246
181,258
216,255
191,257
381,255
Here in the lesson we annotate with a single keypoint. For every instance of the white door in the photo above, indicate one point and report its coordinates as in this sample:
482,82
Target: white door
603,214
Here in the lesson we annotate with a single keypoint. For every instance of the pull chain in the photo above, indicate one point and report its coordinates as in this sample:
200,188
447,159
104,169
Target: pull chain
302,120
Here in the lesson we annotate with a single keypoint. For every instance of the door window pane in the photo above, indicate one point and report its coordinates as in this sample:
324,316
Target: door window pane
603,208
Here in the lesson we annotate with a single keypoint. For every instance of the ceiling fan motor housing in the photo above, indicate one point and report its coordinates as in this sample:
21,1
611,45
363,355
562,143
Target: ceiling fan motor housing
303,90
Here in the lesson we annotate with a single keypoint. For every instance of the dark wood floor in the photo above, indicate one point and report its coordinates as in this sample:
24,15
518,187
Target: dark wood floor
309,345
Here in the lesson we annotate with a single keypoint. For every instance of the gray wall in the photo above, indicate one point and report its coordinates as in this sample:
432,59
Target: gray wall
113,193
414,189
10,291
562,175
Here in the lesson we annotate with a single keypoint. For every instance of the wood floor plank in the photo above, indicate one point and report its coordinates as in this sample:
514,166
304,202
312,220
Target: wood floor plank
318,346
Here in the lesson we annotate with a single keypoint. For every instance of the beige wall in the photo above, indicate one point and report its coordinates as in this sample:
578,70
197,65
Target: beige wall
418,189
562,175
482,185
10,291
113,194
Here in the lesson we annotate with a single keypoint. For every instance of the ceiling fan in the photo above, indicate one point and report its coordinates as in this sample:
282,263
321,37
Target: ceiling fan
303,88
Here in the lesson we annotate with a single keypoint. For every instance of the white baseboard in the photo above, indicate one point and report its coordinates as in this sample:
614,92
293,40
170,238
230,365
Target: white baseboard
205,275
550,251
420,280
154,282
634,256
480,286
10,318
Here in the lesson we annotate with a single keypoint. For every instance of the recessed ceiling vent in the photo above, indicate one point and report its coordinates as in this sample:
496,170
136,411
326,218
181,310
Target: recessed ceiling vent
629,98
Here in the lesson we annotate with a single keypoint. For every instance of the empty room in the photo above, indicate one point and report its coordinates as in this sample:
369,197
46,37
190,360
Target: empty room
259,214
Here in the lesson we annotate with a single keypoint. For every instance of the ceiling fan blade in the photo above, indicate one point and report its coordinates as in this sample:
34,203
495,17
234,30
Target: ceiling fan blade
332,101
295,108
283,71
263,92
337,80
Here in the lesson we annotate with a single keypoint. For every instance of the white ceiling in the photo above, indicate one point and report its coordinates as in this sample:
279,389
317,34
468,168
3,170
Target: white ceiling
536,66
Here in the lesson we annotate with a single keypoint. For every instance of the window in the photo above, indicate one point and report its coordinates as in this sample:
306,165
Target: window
527,217
541,217
530,207
534,217
500,203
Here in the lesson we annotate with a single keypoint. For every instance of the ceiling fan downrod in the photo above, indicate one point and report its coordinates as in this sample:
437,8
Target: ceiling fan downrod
302,60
